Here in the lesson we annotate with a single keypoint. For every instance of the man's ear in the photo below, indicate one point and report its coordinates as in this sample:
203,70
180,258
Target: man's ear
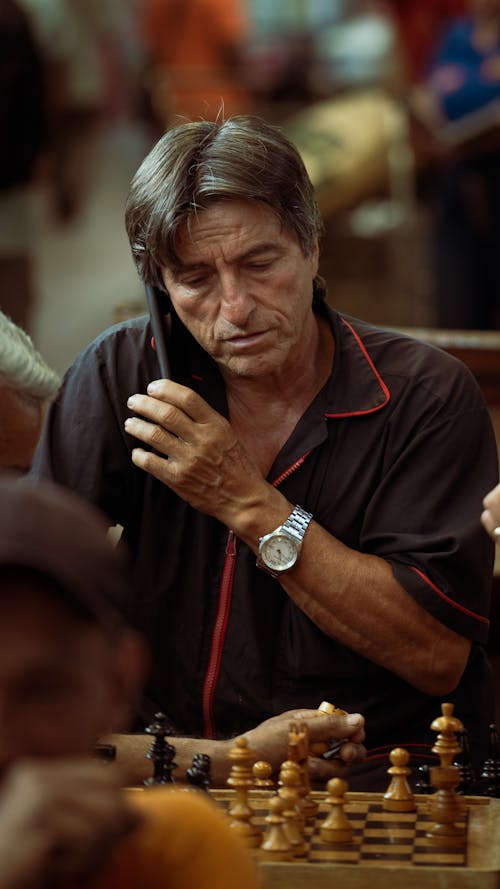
129,667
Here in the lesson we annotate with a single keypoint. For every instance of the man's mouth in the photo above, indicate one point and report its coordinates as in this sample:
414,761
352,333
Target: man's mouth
246,339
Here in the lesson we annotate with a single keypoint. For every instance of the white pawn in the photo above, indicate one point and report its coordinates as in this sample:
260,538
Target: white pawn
290,783
275,845
336,828
398,796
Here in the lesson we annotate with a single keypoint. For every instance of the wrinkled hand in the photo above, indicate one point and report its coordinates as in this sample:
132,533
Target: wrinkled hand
270,740
491,515
58,821
207,466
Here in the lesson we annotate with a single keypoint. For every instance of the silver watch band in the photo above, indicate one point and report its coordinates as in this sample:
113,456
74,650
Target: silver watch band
297,522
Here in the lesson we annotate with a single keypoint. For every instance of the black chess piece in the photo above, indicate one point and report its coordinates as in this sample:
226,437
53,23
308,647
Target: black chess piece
422,779
468,779
490,776
161,753
198,775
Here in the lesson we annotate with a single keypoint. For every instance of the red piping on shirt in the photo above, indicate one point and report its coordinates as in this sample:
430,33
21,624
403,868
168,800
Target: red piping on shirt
221,621
218,635
421,755
380,381
384,748
483,620
290,469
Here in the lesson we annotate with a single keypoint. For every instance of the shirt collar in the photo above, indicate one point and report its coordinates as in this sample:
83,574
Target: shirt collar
356,387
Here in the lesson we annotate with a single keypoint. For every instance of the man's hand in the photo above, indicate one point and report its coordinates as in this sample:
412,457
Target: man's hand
491,515
207,466
58,821
270,740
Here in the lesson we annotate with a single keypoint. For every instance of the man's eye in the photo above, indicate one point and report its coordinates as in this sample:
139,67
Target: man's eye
261,265
197,281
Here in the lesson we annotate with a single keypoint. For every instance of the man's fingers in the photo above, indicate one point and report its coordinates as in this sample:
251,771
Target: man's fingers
159,413
152,434
323,727
182,397
321,770
351,752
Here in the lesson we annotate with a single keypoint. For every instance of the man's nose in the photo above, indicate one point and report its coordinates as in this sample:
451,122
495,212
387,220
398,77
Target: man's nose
236,304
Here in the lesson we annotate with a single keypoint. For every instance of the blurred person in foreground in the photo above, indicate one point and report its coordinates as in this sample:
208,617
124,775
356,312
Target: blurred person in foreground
301,497
69,670
27,384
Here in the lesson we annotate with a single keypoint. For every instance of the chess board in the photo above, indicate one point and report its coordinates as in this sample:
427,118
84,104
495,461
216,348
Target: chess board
389,850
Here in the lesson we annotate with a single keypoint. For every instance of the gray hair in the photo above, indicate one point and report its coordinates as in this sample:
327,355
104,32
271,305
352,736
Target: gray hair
199,163
21,367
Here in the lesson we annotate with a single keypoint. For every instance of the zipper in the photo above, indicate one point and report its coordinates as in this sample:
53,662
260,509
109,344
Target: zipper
219,632
221,620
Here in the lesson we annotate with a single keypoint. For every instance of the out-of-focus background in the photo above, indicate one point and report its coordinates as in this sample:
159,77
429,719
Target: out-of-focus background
406,185
394,105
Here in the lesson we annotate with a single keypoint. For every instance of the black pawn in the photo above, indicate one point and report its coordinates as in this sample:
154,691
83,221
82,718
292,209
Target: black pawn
161,753
468,779
198,775
422,780
490,776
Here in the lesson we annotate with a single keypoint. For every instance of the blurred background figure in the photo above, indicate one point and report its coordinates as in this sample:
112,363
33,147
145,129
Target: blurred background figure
193,54
78,39
27,384
336,74
462,89
419,22
23,137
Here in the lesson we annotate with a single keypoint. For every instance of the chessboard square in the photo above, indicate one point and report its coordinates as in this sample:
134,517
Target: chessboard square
330,853
357,826
374,853
390,851
425,843
398,819
389,834
440,858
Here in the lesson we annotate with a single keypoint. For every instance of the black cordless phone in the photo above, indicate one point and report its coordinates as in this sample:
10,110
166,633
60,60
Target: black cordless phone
158,306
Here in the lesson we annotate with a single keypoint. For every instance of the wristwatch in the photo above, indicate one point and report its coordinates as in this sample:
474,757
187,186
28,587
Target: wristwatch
279,550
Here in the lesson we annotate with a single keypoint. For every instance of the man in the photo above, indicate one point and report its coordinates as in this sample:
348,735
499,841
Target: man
69,669
371,449
27,383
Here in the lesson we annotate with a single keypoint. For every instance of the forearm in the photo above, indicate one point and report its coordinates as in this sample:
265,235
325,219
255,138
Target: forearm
132,750
268,741
355,598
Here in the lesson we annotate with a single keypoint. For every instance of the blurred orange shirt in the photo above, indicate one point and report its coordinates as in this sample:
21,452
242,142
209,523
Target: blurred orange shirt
183,842
195,46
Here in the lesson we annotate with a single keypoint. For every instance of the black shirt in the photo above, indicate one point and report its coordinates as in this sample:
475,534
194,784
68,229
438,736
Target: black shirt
392,457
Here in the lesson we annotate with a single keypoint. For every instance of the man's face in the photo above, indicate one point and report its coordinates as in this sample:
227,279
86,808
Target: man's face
244,288
20,425
57,678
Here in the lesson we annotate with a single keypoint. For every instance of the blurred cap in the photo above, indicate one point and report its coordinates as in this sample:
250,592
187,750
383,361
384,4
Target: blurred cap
50,530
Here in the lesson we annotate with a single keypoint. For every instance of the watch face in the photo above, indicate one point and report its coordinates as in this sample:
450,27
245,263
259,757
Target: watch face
279,552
